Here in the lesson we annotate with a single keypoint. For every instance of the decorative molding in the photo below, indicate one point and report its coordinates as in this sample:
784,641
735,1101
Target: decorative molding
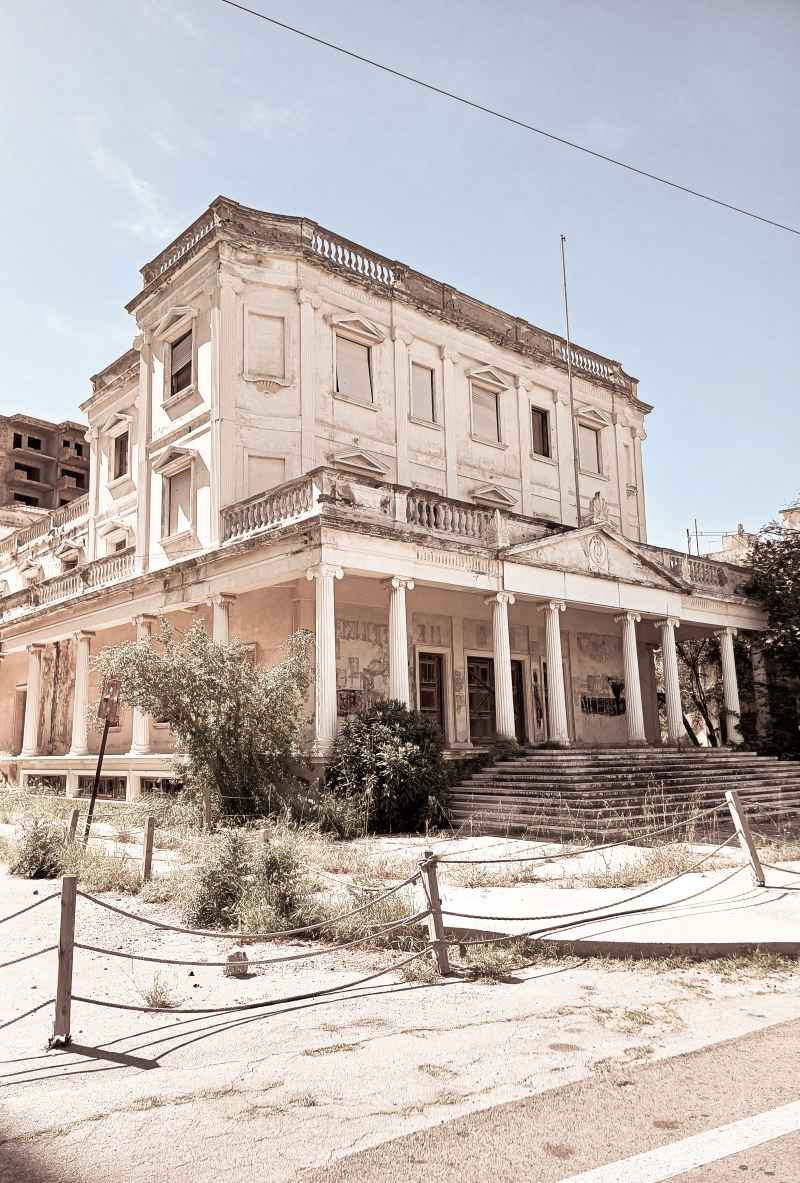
495,495
359,460
489,377
364,331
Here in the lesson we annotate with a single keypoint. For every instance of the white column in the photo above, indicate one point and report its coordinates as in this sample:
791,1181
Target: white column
634,712
325,655
80,697
221,618
556,696
30,735
140,731
672,686
398,640
503,688
730,685
450,412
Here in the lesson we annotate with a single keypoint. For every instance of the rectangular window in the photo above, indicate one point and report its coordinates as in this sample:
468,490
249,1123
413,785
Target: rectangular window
24,499
423,404
120,467
180,363
78,448
73,480
353,370
589,445
17,440
179,494
486,414
540,432
35,443
119,544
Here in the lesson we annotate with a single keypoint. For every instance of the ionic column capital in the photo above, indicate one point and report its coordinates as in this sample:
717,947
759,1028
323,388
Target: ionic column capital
83,635
667,622
403,336
398,581
305,296
36,647
501,597
222,599
448,354
145,618
324,571
552,606
635,617
727,630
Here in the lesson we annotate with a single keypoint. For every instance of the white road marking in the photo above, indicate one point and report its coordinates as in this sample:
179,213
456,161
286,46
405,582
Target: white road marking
668,1161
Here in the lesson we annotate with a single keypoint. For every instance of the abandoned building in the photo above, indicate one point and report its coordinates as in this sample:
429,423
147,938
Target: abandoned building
305,434
43,465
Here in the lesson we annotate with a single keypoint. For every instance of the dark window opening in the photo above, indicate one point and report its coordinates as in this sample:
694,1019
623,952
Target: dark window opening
28,472
78,477
35,443
181,363
17,440
24,499
120,456
78,448
540,431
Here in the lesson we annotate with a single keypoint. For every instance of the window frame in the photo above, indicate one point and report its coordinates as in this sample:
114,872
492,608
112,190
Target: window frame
168,470
547,432
486,388
597,429
435,420
115,443
362,344
120,423
181,327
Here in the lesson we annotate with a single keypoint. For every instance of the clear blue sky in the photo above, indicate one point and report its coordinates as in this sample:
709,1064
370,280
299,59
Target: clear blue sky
119,122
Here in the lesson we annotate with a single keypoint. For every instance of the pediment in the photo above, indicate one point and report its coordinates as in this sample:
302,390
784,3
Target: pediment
182,312
170,455
489,376
595,550
359,460
591,415
493,495
360,328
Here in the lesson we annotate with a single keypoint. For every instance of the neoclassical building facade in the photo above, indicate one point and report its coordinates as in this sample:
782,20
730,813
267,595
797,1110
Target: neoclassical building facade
306,434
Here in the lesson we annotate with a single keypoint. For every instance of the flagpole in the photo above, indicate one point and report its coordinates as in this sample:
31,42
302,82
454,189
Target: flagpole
575,452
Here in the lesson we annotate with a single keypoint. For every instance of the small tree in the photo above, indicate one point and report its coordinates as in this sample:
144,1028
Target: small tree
775,562
700,676
237,726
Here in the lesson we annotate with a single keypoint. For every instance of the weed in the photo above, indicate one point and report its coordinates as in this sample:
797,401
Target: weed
157,994
40,851
98,871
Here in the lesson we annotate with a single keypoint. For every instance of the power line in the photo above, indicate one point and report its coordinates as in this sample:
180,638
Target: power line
457,98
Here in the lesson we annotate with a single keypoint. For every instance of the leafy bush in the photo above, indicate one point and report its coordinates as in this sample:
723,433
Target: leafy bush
277,894
341,814
40,851
99,871
387,765
218,883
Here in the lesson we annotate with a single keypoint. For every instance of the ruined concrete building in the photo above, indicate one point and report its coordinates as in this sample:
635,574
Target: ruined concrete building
43,465
308,435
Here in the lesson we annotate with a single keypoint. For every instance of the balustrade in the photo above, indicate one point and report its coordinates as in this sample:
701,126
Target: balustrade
274,507
449,517
336,251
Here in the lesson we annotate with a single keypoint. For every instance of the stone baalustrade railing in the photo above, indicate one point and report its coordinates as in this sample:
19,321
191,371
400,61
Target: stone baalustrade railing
275,507
457,518
67,515
101,573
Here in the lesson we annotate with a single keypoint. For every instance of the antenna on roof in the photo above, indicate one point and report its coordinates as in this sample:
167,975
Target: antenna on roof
575,453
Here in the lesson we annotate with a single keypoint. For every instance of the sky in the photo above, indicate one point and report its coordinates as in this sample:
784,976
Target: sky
121,121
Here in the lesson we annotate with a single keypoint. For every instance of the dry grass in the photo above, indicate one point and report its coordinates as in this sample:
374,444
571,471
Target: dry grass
660,862
101,872
158,994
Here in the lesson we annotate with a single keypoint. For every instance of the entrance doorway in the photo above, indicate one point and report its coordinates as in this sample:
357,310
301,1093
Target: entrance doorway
480,686
431,688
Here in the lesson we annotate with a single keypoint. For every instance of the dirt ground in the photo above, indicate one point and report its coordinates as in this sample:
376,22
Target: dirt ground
299,1084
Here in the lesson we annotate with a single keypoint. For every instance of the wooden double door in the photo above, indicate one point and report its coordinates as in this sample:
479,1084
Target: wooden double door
481,691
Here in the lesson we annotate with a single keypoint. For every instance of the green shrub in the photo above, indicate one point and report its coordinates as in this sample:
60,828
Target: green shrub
341,814
99,871
219,882
40,851
388,760
277,894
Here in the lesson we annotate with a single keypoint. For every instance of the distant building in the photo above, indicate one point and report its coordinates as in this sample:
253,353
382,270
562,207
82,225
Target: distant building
737,545
43,465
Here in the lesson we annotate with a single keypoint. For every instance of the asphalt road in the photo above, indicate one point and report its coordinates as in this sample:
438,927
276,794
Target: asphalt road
570,1133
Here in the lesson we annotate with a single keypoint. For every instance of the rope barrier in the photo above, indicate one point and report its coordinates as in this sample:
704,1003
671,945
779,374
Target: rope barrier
254,936
540,933
406,922
245,1006
13,915
586,911
27,956
632,841
783,870
24,1015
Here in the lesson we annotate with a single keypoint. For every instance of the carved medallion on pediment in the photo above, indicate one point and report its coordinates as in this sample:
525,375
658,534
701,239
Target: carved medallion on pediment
597,553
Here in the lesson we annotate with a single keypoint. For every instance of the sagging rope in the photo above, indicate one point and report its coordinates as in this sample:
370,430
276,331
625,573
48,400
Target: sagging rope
13,915
406,922
632,841
782,870
254,936
24,1015
540,933
245,1006
27,956
600,907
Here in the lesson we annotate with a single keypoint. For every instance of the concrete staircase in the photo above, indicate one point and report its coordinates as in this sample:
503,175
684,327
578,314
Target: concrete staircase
612,792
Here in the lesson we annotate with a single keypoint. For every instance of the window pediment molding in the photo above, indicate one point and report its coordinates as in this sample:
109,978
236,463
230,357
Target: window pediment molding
117,423
173,459
489,377
359,460
493,495
592,417
357,328
175,322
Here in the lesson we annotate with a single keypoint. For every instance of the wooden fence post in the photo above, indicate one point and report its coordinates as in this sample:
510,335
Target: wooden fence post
147,848
72,828
435,926
745,836
66,942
